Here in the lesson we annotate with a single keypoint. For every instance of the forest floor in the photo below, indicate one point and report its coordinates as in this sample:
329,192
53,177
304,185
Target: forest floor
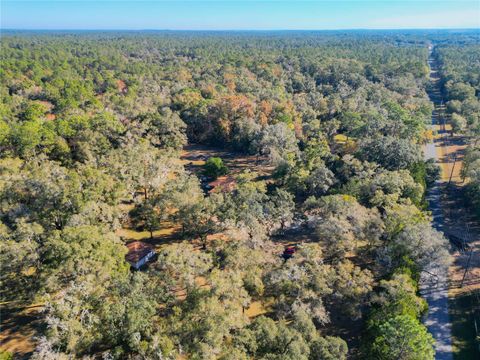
194,156
20,325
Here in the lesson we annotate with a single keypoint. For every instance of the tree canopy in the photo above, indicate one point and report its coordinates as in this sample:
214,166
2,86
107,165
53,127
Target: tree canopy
93,135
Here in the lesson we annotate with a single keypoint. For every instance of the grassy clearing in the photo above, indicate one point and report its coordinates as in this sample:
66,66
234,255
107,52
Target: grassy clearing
194,156
130,234
463,329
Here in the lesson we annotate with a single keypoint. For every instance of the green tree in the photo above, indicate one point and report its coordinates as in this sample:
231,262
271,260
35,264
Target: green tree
214,167
6,355
164,129
267,339
379,150
278,142
145,216
82,253
425,246
34,111
302,282
402,337
329,348
5,131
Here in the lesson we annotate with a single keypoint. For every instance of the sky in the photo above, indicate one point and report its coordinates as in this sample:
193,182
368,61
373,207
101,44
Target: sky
238,15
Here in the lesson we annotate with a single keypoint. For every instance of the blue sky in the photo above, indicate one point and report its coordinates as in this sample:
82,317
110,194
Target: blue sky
239,15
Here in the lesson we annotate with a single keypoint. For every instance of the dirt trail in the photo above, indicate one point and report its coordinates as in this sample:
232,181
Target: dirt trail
19,325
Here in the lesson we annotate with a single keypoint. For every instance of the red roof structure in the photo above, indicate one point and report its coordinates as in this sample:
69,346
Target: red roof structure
137,250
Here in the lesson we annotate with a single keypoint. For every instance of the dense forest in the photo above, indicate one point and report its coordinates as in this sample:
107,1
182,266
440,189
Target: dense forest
93,128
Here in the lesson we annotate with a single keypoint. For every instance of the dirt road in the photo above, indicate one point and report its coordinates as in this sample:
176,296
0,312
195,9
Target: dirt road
437,319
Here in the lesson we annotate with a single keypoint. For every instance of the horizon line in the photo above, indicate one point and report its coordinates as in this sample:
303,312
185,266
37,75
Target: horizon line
226,30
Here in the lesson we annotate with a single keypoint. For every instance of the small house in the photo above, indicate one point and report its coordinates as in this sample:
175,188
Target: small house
139,253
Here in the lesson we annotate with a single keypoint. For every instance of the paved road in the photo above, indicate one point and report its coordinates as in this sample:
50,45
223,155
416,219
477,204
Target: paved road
437,319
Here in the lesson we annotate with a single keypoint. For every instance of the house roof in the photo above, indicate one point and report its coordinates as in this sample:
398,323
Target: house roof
137,250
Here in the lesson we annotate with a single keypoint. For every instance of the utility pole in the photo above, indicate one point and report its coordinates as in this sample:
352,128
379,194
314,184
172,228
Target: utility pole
466,269
453,167
469,257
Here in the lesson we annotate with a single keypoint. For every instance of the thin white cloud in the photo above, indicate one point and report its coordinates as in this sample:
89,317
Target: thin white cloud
431,19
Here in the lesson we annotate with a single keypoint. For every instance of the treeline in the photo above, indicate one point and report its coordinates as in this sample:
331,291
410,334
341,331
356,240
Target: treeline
91,132
460,78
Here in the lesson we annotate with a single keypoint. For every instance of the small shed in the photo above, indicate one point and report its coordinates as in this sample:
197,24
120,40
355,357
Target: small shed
139,253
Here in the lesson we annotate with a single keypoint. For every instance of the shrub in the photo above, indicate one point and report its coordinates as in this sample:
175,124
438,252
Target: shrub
214,167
